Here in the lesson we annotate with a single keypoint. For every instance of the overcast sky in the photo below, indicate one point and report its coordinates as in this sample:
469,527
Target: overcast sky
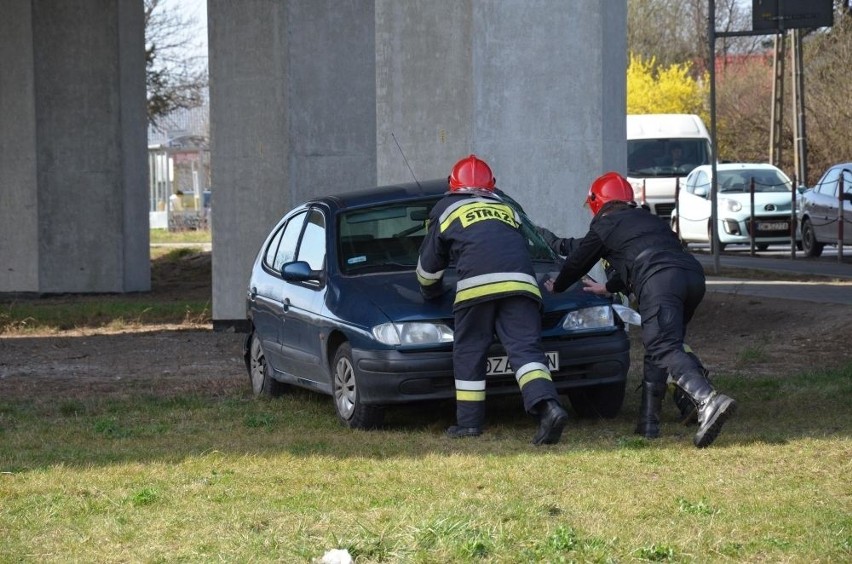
198,10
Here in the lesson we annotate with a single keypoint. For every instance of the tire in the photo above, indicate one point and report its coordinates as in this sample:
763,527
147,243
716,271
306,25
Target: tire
810,245
683,243
603,400
347,398
710,239
262,384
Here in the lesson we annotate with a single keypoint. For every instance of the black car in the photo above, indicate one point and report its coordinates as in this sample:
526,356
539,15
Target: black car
819,206
334,306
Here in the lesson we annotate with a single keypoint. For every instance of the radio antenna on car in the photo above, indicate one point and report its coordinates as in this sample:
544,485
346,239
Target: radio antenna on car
406,161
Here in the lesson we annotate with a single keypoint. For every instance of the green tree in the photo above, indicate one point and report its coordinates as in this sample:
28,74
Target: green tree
656,89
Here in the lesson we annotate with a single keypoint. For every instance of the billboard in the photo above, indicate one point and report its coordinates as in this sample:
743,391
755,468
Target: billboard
771,15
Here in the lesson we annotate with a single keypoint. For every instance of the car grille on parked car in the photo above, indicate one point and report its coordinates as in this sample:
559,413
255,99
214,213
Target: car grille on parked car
664,210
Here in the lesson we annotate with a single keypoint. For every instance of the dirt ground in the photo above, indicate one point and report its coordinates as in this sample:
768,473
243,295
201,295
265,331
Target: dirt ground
731,333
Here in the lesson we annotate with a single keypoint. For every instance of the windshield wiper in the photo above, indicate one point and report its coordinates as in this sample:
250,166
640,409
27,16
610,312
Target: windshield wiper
379,267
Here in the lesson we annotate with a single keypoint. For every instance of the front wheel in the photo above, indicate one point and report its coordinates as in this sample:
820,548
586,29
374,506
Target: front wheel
603,400
675,226
710,239
810,245
347,397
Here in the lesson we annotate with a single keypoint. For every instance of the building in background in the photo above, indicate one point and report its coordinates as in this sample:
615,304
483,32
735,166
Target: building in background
179,187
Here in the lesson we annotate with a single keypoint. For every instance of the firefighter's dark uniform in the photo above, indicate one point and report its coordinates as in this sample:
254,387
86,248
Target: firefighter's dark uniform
496,292
650,262
652,372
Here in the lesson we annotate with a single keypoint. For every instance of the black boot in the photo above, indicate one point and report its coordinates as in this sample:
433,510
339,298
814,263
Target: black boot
687,409
552,418
649,410
713,408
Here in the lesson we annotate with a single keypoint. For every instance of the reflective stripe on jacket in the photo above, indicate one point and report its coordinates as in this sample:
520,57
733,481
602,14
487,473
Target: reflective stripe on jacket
480,233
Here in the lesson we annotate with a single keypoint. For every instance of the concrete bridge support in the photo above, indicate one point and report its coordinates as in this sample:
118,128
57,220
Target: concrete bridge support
307,97
73,164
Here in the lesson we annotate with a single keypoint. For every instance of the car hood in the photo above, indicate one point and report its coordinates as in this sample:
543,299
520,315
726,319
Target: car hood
396,297
760,198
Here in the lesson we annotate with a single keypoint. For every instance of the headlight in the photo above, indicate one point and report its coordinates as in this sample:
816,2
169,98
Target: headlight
628,314
413,333
730,205
589,318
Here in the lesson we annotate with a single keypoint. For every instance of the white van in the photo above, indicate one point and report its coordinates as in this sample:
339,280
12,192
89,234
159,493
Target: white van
660,149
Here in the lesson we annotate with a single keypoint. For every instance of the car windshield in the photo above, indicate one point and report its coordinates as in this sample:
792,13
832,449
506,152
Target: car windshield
387,237
732,181
649,158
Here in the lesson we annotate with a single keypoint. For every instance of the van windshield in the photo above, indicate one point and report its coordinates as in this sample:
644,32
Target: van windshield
665,157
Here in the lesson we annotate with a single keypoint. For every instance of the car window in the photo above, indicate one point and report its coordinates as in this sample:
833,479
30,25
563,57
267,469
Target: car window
828,183
382,237
282,248
312,246
388,237
771,181
765,180
700,180
651,157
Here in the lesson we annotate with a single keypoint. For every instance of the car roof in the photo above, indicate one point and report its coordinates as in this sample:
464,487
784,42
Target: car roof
384,194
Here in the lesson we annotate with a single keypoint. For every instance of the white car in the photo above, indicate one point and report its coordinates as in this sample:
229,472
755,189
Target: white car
739,185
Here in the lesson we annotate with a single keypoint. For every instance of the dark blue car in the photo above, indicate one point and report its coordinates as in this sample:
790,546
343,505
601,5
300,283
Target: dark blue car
334,306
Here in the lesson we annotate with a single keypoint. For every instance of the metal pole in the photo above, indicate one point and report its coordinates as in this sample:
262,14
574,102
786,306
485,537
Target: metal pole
801,145
793,218
752,230
840,217
776,118
677,210
714,205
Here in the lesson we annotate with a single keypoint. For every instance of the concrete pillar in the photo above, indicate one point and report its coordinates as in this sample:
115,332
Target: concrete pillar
73,169
537,88
293,114
308,96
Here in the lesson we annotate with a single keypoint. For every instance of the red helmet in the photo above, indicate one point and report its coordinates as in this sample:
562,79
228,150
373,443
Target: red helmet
471,172
610,186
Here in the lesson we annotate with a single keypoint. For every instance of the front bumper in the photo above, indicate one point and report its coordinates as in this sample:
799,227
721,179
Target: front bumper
737,230
394,377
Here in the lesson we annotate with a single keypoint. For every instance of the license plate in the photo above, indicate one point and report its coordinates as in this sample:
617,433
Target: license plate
776,226
499,365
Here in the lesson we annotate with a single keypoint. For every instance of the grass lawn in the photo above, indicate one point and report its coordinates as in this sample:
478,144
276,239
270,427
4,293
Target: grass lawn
222,476
209,473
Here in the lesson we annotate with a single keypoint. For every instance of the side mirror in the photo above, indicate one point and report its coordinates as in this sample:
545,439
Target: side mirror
701,192
801,189
299,271
847,197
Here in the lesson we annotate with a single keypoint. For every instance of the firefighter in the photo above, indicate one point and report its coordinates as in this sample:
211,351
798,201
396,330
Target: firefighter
668,284
496,293
646,427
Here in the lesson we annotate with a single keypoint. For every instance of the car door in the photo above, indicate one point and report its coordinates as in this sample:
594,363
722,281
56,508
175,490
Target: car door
302,322
694,204
833,207
822,208
847,206
269,290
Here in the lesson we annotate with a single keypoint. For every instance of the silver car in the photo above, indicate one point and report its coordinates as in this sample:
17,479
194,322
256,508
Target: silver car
820,214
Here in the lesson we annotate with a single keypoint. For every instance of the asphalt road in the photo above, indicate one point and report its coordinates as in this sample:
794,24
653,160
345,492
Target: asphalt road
836,289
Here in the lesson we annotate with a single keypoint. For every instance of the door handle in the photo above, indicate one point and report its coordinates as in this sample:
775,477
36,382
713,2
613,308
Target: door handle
286,305
252,294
